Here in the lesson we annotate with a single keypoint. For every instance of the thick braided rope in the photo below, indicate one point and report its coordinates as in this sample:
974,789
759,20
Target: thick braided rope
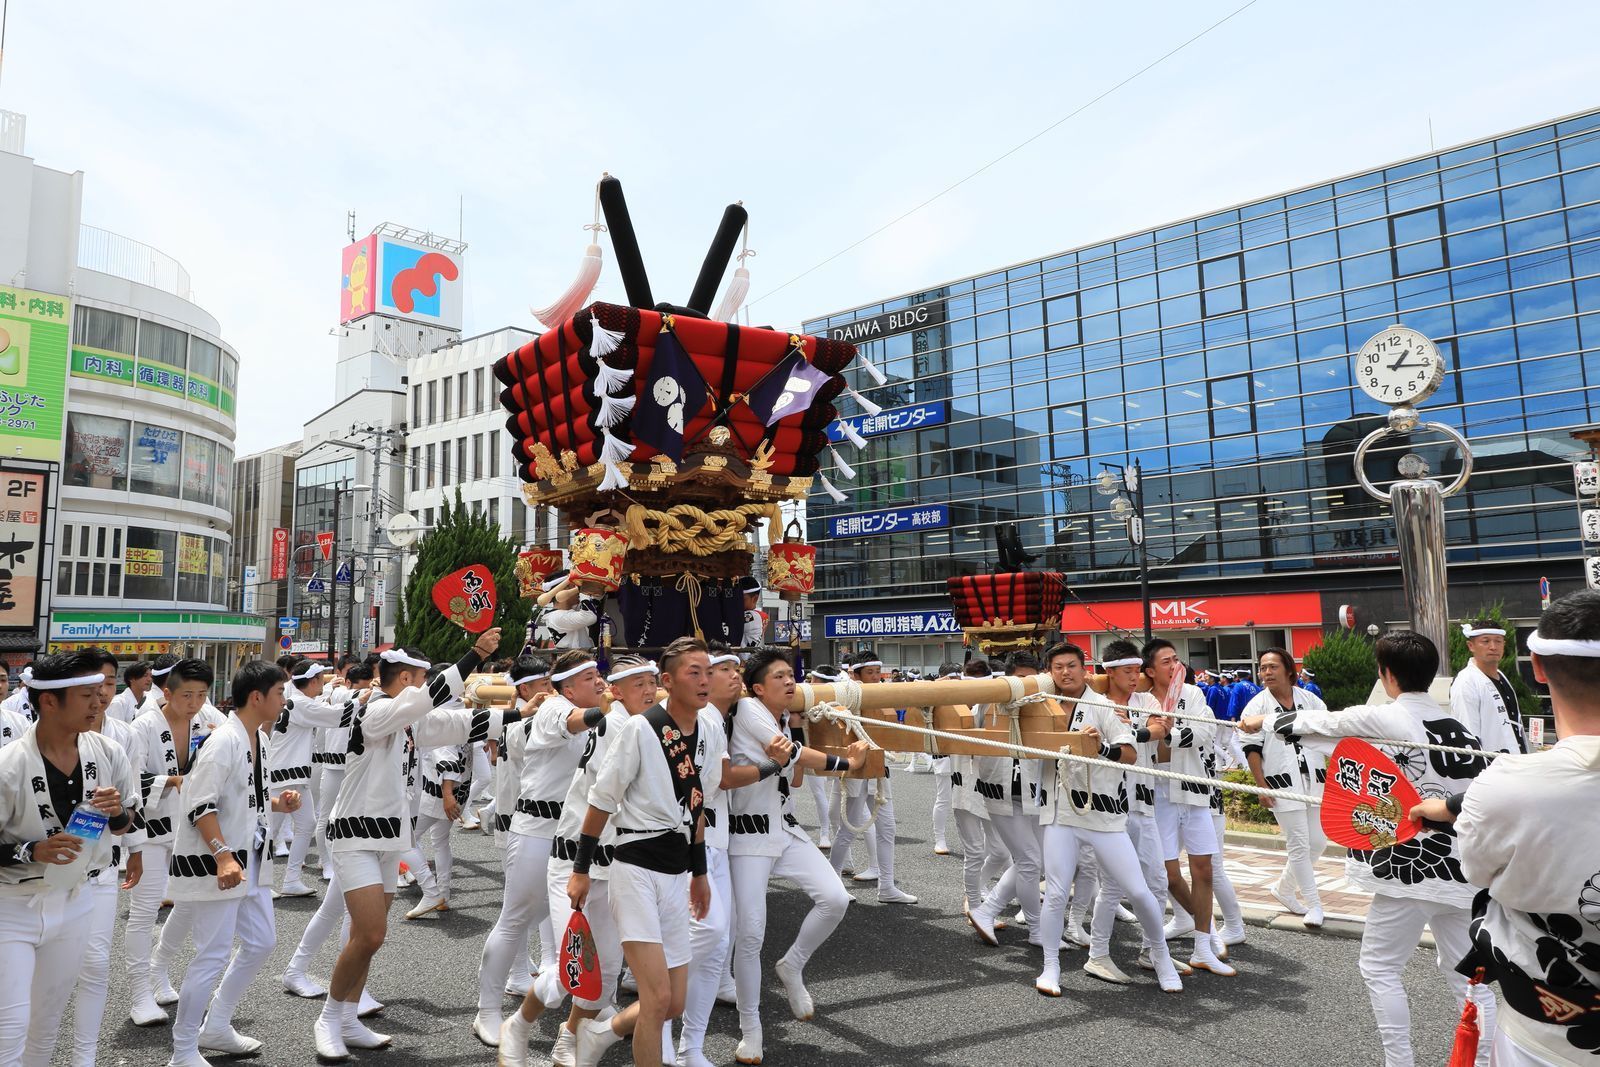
1392,742
848,692
833,713
687,528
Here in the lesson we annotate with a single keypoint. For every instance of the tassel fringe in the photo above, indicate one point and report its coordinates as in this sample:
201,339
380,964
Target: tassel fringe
844,468
873,372
608,379
733,299
614,478
613,409
850,432
577,294
866,405
827,487
604,341
613,450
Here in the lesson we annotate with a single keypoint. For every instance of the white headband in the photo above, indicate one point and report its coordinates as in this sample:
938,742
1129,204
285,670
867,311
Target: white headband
868,663
1126,661
64,683
648,667
1563,646
824,676
1487,631
727,657
573,672
311,672
529,678
157,672
394,655
952,674
26,676
980,677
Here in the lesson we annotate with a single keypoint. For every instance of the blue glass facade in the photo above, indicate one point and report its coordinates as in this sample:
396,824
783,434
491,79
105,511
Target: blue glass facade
1217,351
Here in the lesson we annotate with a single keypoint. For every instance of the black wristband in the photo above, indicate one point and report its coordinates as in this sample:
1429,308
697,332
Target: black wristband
837,763
767,768
1112,752
121,822
697,858
510,719
1143,735
592,717
797,734
1454,801
584,859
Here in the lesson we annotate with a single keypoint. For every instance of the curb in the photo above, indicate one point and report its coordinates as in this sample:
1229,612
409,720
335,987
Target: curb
1272,842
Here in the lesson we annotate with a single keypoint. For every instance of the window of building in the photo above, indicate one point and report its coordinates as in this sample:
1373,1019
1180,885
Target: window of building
494,454
1061,321
416,407
89,561
108,330
205,359
433,397
461,459
477,391
97,451
1415,240
1222,291
199,469
427,519
429,469
477,456
444,464
155,459
519,523
230,371
163,344
1231,406
151,564
416,468
1068,425
444,405
461,391
224,475
494,511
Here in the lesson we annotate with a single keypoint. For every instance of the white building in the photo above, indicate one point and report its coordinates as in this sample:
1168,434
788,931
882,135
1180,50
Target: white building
143,540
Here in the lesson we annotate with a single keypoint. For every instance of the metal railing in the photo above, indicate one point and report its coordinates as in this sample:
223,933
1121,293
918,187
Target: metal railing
112,253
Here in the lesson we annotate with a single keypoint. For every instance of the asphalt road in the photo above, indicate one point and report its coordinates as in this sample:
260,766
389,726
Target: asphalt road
895,985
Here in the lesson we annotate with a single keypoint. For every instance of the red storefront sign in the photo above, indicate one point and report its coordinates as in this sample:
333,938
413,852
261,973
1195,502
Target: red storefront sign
280,554
1275,610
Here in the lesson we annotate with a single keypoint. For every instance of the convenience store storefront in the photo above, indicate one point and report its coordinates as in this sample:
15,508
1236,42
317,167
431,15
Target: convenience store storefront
1211,632
223,639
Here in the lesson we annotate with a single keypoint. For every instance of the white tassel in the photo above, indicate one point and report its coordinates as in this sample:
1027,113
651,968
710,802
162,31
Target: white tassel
613,409
613,450
733,299
604,342
608,379
850,432
844,468
614,479
873,372
577,293
866,405
827,487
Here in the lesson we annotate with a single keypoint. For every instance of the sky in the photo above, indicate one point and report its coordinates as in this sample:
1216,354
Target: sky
236,138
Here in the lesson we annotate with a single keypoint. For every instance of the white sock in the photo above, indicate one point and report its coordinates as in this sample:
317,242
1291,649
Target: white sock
333,1012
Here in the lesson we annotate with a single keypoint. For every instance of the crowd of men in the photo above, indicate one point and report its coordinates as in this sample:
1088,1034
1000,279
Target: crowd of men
658,799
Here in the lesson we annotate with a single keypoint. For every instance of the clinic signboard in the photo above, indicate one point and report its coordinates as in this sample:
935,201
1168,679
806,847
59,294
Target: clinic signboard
33,373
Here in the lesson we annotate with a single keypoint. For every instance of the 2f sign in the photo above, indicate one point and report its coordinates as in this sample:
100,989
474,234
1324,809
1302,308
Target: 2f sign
1587,478
24,490
1591,526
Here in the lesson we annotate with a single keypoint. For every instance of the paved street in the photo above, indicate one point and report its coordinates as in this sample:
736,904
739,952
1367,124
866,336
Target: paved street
903,985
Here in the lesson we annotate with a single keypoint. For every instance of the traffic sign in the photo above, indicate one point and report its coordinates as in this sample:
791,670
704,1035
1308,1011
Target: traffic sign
325,543
288,623
285,643
316,585
342,575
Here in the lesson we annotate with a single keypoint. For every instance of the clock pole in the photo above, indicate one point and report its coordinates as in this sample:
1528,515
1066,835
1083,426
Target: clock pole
1416,499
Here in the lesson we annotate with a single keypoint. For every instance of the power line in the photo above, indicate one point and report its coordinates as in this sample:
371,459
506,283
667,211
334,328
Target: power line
1009,152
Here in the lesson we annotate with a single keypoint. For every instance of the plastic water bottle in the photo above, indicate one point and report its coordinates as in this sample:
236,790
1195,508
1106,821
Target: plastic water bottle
89,824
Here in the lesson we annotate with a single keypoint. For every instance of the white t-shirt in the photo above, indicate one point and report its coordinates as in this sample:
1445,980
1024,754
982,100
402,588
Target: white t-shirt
635,782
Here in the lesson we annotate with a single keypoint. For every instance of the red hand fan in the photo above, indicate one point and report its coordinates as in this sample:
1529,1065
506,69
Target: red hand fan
467,598
1175,690
1366,799
580,963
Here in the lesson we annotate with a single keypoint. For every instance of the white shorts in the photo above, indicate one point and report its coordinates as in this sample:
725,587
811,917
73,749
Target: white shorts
1185,828
359,869
652,907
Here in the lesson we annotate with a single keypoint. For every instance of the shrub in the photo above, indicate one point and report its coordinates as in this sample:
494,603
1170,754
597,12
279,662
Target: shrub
1527,699
1244,807
1345,668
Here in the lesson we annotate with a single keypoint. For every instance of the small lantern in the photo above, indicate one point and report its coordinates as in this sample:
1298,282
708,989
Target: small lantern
598,554
534,565
792,565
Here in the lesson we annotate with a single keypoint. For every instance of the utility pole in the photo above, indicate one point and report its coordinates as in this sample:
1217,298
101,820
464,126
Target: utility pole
333,579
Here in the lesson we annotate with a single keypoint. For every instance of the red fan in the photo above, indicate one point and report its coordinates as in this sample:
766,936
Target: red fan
467,598
580,963
1366,799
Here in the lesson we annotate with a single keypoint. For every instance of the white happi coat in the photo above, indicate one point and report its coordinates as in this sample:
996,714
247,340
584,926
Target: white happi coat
222,780
550,755
1192,744
289,751
1528,833
1091,796
1427,867
597,742
124,707
1476,703
156,761
761,818
12,726
27,814
372,812
1286,764
436,765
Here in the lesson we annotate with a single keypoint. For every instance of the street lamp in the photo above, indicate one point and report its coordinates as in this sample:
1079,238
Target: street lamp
1114,481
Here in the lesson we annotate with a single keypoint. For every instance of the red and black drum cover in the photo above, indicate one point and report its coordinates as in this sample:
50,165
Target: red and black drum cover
1023,598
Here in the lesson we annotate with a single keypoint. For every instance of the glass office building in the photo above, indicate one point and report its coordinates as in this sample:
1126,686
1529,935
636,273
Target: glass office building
1217,352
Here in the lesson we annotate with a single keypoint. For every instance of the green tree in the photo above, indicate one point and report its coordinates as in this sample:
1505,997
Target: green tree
463,536
1345,668
1526,697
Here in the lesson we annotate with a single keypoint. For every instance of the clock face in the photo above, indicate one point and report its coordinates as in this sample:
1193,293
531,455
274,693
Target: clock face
1399,366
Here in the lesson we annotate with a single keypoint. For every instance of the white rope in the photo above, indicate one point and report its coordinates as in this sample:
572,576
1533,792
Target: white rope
848,693
833,713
